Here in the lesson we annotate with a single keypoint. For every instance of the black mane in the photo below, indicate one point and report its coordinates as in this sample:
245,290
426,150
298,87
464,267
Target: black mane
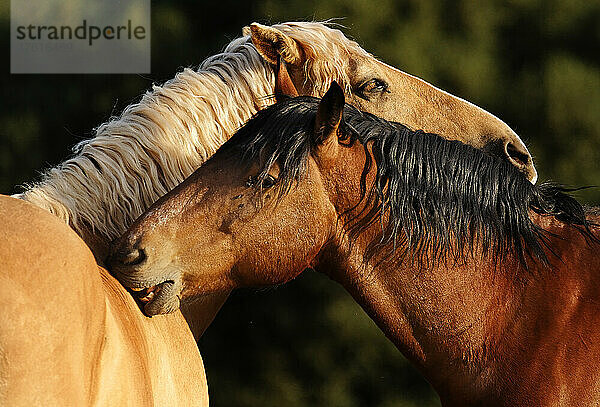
434,198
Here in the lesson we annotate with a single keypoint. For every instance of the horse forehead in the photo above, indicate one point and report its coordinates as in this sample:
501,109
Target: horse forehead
362,65
320,37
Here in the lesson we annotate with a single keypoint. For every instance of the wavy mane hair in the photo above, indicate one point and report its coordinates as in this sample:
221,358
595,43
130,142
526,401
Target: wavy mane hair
434,198
154,144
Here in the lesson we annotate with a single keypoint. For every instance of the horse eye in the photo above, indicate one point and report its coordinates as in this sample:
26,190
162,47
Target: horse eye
371,87
268,181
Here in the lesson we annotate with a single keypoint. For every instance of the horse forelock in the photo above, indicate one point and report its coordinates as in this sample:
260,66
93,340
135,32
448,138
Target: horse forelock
432,199
153,145
328,53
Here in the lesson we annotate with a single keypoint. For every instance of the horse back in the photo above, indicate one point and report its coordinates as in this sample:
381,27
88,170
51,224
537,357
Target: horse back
51,309
70,334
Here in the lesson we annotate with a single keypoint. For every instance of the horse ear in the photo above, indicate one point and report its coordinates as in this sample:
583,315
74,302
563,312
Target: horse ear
271,44
284,86
329,113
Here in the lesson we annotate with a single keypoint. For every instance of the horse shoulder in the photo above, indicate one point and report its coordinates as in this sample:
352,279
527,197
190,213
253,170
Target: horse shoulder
566,304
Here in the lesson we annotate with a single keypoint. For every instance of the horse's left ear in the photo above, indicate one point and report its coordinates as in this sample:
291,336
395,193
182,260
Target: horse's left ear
278,49
272,44
329,114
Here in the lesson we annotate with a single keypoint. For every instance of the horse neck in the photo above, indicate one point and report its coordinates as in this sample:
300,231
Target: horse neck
153,146
466,327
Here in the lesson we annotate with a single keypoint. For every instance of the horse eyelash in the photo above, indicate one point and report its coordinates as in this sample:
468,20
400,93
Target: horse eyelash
380,83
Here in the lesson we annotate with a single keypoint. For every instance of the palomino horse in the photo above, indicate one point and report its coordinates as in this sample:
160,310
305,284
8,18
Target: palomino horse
489,284
155,144
72,336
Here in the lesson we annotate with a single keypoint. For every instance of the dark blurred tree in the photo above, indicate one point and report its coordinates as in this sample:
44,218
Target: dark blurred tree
533,63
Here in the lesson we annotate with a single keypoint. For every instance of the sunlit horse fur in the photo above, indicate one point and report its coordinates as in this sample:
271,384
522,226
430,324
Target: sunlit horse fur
489,284
70,335
155,143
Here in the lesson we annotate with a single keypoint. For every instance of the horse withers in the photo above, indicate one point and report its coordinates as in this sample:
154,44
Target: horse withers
487,283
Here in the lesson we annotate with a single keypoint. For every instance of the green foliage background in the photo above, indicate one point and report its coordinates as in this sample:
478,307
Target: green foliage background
533,63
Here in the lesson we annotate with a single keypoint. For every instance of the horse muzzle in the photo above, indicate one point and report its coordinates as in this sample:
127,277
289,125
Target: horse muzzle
155,287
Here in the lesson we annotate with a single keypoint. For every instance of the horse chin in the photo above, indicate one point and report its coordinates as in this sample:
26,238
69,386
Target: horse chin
162,298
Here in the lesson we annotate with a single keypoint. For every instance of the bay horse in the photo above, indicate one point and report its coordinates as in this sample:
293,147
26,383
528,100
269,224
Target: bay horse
155,144
488,284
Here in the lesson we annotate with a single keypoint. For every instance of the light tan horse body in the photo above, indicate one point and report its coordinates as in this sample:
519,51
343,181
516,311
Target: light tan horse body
154,144
71,336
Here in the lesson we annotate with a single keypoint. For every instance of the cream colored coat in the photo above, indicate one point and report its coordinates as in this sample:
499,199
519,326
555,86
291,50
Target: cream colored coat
70,335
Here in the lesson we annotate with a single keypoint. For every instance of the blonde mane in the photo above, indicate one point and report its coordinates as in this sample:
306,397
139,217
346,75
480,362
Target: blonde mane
137,157
326,52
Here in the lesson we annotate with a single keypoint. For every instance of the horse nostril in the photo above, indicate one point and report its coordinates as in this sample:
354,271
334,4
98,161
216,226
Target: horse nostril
516,155
133,258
